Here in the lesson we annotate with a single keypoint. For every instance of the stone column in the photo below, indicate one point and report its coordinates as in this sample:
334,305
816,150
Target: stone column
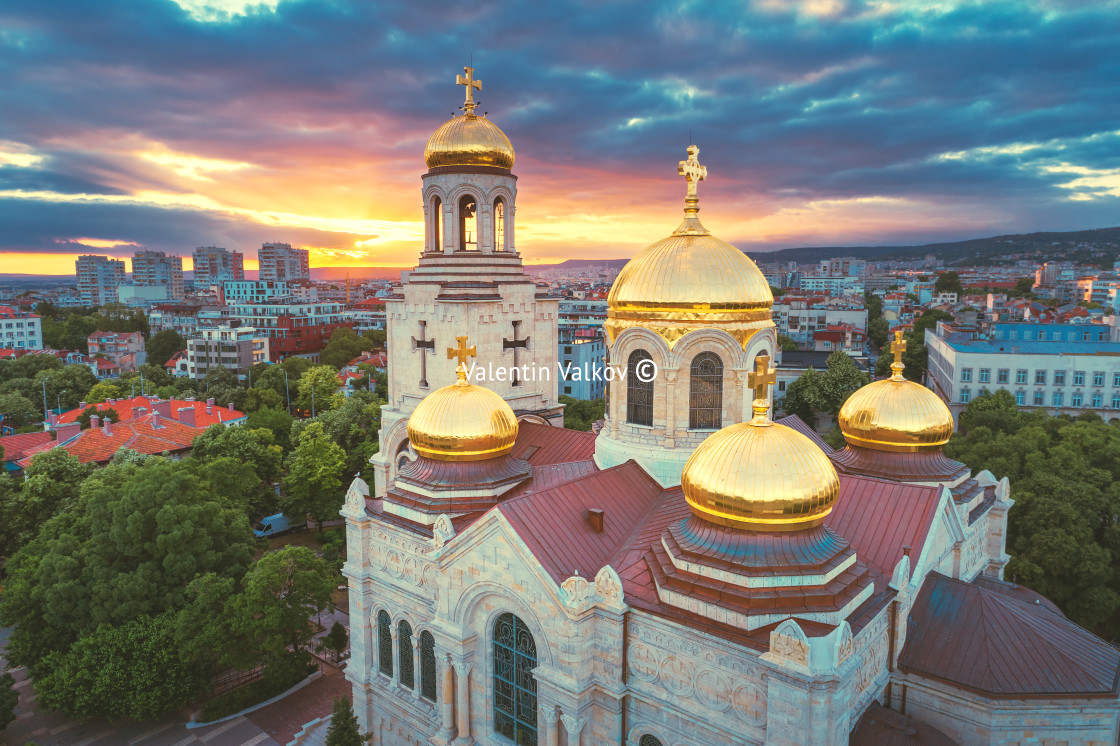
393,653
447,700
669,381
574,726
450,228
551,717
417,674
463,704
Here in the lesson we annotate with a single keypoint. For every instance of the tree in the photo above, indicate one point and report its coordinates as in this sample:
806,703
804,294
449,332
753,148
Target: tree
777,292
67,387
995,410
163,346
315,470
376,338
1024,288
244,450
344,346
18,410
877,332
824,392
276,421
874,305
105,413
134,670
337,640
51,483
788,344
352,426
323,381
581,414
282,591
223,387
916,355
102,391
344,725
256,399
9,698
948,282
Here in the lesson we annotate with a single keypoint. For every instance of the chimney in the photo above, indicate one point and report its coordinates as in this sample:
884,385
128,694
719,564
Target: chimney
94,422
163,407
186,415
52,418
595,519
155,421
81,405
107,426
63,433
209,405
231,406
138,412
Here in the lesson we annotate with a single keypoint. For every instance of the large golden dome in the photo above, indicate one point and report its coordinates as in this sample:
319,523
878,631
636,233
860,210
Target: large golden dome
690,280
760,475
469,140
462,422
896,414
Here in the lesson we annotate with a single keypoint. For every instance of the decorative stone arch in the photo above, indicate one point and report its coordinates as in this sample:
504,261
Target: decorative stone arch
391,446
468,609
536,419
454,198
638,732
632,338
434,228
628,341
765,341
708,340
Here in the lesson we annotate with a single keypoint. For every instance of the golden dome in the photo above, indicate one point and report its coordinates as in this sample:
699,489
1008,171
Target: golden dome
896,414
690,280
469,140
760,475
462,422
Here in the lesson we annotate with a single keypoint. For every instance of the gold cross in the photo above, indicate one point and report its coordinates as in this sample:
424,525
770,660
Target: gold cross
462,351
762,377
898,346
692,171
471,84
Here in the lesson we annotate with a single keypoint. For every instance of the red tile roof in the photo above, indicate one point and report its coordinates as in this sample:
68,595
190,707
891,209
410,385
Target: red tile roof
991,643
545,444
17,446
95,445
217,415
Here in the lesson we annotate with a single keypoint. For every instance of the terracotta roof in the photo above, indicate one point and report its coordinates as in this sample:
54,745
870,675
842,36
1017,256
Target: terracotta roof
992,643
800,426
16,447
95,446
202,418
553,522
545,444
879,518
882,727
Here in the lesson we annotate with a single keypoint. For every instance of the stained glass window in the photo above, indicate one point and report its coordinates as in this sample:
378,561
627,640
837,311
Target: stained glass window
648,740
639,393
427,666
384,643
404,646
705,392
515,689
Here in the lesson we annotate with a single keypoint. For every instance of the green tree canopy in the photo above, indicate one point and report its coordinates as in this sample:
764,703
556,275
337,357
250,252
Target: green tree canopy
102,391
51,483
580,414
948,282
17,410
244,449
315,470
824,392
67,387
344,725
352,426
878,332
788,344
9,698
323,380
163,346
276,421
344,346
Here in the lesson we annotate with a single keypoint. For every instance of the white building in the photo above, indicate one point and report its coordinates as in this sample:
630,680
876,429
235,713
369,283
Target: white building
157,269
142,295
835,286
798,318
279,261
20,330
234,348
98,278
268,291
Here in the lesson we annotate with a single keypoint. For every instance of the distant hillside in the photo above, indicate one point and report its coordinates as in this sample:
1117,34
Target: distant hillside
977,251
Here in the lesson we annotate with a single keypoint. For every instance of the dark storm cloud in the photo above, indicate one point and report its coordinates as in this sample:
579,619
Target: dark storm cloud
783,103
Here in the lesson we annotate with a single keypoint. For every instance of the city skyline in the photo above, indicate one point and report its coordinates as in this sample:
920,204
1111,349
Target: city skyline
172,125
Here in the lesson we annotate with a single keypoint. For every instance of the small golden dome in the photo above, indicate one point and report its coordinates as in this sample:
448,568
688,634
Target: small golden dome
462,422
469,140
690,280
896,414
760,475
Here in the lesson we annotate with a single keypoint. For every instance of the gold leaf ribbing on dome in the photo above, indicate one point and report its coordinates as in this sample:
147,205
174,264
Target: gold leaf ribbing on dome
463,421
469,140
760,475
690,280
896,414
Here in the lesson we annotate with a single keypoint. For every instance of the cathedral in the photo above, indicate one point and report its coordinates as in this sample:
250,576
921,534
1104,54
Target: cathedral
695,572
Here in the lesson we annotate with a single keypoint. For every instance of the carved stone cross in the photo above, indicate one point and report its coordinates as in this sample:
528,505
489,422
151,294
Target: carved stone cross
516,344
692,171
426,347
762,377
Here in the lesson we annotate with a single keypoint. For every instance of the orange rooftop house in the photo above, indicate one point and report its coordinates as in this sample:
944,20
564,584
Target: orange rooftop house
124,349
192,412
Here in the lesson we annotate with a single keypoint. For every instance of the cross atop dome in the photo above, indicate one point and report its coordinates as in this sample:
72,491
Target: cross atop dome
471,85
898,346
462,352
693,174
761,379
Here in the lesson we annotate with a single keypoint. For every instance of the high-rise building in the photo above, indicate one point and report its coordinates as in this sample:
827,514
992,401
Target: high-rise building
98,278
214,265
154,268
279,261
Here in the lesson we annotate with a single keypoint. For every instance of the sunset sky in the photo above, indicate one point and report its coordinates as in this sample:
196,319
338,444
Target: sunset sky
170,124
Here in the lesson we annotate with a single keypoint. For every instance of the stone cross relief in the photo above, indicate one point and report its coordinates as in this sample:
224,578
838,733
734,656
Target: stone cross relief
516,344
425,346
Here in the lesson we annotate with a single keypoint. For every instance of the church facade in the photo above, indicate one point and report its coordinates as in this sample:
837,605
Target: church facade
695,572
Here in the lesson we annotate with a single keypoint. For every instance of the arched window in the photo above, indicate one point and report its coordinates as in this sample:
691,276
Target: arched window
468,223
639,393
384,643
499,224
515,689
427,666
705,392
648,740
437,224
404,654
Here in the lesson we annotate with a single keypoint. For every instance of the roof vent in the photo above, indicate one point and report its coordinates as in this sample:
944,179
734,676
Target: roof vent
595,518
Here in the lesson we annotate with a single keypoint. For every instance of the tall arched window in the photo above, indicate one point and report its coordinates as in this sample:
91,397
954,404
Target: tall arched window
468,223
499,224
639,393
437,224
705,392
384,643
648,740
515,689
404,654
427,666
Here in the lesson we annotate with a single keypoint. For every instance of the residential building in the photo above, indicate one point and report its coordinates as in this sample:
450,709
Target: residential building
186,320
843,267
291,328
268,291
279,261
214,265
20,330
98,278
800,317
582,364
152,434
835,286
1058,368
142,295
155,268
576,316
123,348
234,348
189,411
846,337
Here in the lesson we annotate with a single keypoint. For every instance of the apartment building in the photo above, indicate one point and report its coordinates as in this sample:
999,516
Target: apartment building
582,362
800,318
279,261
155,268
291,328
269,291
234,348
98,278
20,330
214,265
126,349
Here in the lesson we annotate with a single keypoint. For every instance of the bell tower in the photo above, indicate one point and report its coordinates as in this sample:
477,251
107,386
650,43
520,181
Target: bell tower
469,281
